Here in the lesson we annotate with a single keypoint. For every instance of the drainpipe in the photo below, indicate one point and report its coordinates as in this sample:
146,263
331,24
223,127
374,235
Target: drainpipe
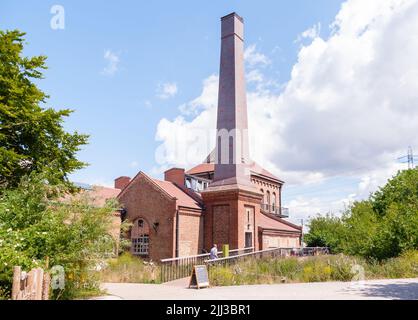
177,233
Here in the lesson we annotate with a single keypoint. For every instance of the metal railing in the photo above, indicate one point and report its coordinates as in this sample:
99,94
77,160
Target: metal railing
181,267
269,253
277,211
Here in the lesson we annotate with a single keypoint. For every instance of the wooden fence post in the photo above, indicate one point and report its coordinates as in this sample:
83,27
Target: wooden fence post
45,286
29,290
33,285
39,283
16,282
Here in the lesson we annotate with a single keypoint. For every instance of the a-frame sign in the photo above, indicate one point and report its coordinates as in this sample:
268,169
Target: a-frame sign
199,278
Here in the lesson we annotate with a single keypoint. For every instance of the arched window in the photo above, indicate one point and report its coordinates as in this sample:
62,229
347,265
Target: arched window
268,200
140,237
273,202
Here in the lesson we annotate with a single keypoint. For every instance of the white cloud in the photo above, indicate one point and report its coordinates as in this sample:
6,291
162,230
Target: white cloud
254,76
349,107
112,60
167,90
310,33
206,100
321,200
254,58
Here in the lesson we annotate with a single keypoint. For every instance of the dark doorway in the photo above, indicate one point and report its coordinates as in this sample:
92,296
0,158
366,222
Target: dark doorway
248,239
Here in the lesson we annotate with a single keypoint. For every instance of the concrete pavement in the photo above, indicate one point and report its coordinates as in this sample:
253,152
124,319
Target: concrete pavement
405,289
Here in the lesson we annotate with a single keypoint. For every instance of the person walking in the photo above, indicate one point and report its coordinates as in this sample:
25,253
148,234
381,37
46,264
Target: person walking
214,252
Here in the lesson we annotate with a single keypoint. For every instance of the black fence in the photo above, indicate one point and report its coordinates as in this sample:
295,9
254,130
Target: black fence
177,268
269,253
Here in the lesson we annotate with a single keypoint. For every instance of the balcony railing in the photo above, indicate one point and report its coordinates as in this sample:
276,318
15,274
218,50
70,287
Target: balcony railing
275,210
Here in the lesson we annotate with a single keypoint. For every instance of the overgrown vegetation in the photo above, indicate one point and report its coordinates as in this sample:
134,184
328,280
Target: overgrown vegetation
36,226
131,269
38,229
382,227
313,269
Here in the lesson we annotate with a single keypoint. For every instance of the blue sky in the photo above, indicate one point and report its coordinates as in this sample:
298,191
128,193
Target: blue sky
175,44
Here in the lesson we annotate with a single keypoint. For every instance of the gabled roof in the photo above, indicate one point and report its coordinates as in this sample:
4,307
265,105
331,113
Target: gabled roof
290,225
98,195
183,199
202,168
255,168
170,189
101,194
258,170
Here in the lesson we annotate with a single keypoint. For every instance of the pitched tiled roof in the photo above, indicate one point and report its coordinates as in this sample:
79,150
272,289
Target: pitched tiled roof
257,169
265,221
101,194
202,168
96,194
210,167
183,199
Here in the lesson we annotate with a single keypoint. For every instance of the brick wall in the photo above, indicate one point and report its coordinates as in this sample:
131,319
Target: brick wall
175,175
142,199
226,209
265,186
221,225
122,182
190,233
275,232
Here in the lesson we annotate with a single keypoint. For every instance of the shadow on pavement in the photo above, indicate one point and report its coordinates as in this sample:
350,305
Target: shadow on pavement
394,291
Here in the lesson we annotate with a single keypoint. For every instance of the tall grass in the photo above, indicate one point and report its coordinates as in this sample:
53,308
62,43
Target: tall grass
313,269
131,269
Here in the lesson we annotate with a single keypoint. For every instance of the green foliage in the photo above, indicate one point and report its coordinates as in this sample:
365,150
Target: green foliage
325,232
32,138
128,268
382,227
37,223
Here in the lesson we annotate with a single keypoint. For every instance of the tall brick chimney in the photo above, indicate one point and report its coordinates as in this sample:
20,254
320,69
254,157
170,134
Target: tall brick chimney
175,175
122,182
232,150
231,198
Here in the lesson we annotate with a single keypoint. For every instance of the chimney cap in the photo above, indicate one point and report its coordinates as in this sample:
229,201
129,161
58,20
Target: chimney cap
175,169
122,177
233,14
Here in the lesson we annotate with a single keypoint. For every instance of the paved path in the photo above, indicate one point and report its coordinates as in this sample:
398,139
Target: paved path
376,289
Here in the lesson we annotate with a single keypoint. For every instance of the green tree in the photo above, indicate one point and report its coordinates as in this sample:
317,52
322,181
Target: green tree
359,228
325,231
382,227
40,222
32,138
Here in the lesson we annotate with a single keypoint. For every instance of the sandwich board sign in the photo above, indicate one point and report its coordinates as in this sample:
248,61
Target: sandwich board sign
199,278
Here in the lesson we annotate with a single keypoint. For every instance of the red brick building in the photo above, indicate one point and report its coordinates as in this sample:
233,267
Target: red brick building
228,199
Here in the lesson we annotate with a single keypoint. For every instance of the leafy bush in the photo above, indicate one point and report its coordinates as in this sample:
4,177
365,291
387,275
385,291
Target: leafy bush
382,227
38,228
325,232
